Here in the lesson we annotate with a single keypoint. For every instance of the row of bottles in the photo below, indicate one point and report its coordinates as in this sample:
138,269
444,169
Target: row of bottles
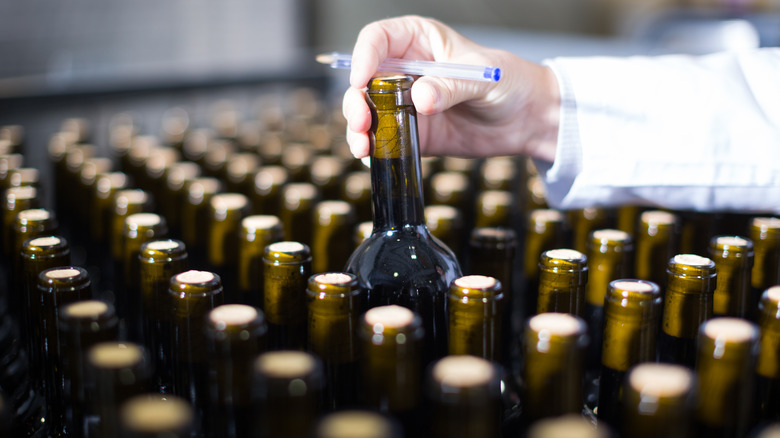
206,249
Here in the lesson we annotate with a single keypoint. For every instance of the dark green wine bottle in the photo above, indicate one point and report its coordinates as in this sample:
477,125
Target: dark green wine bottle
288,387
725,367
154,415
82,325
401,262
495,208
357,191
235,336
391,365
658,401
334,221
334,305
733,257
687,304
656,242
287,268
768,366
446,224
257,232
267,194
544,231
464,394
632,311
765,234
563,277
356,424
476,310
297,211
554,351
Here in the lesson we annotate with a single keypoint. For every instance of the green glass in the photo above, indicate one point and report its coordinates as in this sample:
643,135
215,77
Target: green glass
196,218
226,212
657,241
81,325
267,193
192,295
159,260
733,257
554,350
499,173
257,232
563,278
126,203
632,311
765,234
567,426
401,262
334,303
333,224
495,208
445,222
102,202
288,385
156,416
476,311
172,196
327,173
768,365
29,224
658,401
454,189
363,423
16,199
58,287
586,220
544,230
391,365
38,255
286,270
464,393
117,372
725,367
297,210
235,336
688,303
356,189
240,172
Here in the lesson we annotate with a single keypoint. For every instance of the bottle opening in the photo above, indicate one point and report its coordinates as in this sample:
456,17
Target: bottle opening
463,371
729,330
285,364
58,274
661,380
561,324
46,241
233,314
392,316
195,277
115,355
86,309
633,286
476,282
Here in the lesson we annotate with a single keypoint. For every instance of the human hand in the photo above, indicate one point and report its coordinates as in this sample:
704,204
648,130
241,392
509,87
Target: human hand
517,115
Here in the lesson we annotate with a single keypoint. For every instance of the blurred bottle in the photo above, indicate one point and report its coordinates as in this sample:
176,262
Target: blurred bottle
297,211
657,241
495,208
334,222
391,365
476,310
288,387
356,424
544,231
768,366
584,221
446,224
465,398
765,235
267,194
688,303
567,426
226,212
257,232
357,191
235,336
725,368
658,401
155,416
196,218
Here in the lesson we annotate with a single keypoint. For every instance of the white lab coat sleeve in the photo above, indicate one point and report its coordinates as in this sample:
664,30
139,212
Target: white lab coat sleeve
699,133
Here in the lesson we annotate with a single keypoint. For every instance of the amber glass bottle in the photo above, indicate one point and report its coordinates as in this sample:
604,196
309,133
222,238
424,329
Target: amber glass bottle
687,304
126,203
257,232
584,221
288,387
725,368
287,268
159,261
567,426
563,277
446,223
195,217
155,416
357,191
656,242
391,368
235,336
464,394
733,257
476,307
554,348
768,366
632,311
495,208
297,210
658,401
356,423
226,212
267,194
401,262
334,304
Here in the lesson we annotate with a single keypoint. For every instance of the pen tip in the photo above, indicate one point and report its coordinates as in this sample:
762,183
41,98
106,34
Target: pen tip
325,58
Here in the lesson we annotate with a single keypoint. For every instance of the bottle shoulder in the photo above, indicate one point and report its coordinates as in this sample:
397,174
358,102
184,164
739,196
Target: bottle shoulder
403,256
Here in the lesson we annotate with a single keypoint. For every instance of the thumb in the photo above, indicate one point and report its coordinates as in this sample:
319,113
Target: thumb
432,95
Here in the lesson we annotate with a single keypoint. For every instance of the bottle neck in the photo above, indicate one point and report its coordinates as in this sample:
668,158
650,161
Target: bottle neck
396,180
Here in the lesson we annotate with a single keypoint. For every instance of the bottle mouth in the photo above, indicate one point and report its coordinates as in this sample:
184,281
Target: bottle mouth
390,83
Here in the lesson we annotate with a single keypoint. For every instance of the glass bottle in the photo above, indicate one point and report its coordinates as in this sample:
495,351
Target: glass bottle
563,277
687,304
287,268
476,310
401,262
544,231
355,422
334,304
153,415
446,223
765,234
334,221
658,401
656,242
768,366
733,257
257,232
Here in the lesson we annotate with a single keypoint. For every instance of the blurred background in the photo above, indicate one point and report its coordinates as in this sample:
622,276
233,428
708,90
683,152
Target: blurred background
92,59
